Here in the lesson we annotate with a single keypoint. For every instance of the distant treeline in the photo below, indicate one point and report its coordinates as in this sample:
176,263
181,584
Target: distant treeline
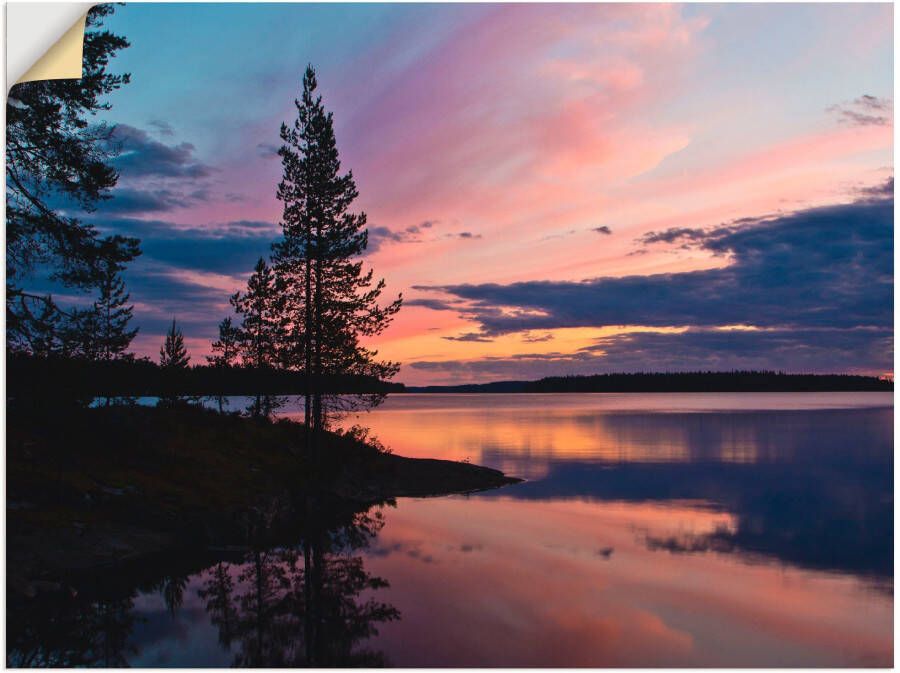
46,376
687,382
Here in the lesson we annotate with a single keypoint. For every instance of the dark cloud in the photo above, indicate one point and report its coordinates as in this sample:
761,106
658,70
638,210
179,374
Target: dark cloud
882,190
819,282
161,287
674,235
603,230
167,280
537,338
162,128
417,228
227,248
825,267
862,350
161,293
433,304
267,150
153,177
161,280
129,200
379,235
142,156
467,548
864,111
469,336
797,350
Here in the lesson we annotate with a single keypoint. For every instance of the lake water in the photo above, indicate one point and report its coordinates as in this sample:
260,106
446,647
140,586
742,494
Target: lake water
651,530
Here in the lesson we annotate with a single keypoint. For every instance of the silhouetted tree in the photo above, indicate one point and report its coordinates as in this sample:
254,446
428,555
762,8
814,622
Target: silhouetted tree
329,300
34,325
259,309
225,352
225,349
260,332
173,359
98,333
77,331
54,153
113,315
173,354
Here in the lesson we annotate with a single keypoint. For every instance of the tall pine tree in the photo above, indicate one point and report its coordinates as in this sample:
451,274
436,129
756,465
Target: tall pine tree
330,302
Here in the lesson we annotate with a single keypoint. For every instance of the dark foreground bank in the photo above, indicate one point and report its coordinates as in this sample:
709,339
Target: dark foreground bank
97,488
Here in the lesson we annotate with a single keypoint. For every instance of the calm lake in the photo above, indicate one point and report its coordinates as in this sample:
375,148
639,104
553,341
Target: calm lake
651,530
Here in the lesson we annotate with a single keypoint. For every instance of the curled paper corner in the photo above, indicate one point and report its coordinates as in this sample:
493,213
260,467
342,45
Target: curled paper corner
60,24
61,61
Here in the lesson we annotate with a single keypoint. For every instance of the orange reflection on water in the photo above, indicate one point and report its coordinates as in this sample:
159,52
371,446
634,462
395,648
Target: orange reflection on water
572,583
525,432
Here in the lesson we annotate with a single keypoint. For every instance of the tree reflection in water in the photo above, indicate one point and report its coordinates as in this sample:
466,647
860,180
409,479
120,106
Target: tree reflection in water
69,633
305,605
302,606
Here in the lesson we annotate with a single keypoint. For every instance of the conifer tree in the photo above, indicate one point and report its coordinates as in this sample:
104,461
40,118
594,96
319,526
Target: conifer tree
173,354
260,309
225,352
330,301
112,316
173,359
78,331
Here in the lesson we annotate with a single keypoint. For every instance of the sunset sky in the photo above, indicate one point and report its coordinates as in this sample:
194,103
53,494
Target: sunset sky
555,189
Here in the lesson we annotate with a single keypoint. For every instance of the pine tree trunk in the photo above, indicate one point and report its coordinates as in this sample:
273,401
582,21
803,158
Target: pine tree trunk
318,421
307,344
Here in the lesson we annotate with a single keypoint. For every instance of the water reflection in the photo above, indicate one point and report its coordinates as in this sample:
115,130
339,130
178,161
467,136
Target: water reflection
811,486
68,632
653,531
308,604
301,606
